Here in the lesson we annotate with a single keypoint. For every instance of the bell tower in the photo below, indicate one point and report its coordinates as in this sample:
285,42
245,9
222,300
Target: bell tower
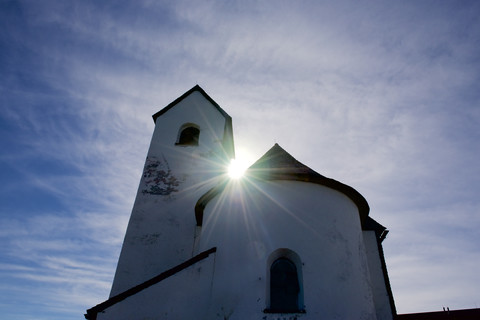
192,145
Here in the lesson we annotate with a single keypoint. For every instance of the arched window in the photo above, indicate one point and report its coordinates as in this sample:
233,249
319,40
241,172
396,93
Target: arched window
189,135
284,287
284,283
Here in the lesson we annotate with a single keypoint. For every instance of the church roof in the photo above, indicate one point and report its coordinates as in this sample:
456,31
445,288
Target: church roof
186,94
278,164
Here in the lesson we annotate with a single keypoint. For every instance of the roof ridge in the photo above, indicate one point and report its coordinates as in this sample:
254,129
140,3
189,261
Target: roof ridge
278,159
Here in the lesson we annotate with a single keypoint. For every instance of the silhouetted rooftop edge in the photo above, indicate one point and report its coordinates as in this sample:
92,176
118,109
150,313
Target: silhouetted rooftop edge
278,164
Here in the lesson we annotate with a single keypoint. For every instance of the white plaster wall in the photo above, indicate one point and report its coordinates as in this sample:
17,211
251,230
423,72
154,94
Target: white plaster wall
181,296
320,224
380,294
161,227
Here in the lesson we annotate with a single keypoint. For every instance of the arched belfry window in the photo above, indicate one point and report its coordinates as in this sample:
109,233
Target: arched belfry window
285,287
188,135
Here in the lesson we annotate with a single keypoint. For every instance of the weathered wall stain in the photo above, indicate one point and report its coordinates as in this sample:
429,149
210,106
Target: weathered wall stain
158,177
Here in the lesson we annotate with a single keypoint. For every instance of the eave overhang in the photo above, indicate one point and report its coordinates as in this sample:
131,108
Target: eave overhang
278,164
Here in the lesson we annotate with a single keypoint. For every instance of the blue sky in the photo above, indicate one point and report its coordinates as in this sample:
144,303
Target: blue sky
382,96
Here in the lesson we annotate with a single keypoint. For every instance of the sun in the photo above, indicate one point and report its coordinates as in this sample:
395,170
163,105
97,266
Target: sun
243,159
237,168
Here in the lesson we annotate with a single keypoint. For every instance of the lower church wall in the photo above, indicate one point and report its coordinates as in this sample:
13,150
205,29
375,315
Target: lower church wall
181,296
318,224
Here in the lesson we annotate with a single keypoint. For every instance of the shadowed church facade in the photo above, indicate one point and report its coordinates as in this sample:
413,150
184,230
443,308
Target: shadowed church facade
283,242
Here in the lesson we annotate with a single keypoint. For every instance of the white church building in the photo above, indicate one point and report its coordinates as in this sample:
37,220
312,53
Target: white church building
283,242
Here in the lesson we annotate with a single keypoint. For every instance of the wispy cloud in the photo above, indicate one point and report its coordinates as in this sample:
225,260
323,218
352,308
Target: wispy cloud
68,259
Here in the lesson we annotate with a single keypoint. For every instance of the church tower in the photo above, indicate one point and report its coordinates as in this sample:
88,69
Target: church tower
191,147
